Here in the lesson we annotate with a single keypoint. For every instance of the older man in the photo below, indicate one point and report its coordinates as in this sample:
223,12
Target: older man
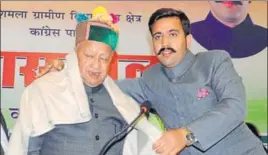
76,111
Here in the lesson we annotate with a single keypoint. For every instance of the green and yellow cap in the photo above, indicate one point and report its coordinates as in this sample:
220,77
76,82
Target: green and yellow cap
101,27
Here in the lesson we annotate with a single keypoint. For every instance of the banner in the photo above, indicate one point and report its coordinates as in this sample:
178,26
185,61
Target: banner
35,32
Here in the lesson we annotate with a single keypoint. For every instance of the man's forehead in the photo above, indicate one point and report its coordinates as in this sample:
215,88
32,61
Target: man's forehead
93,45
167,25
167,22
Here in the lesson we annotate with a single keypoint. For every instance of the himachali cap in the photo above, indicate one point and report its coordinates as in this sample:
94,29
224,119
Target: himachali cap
101,27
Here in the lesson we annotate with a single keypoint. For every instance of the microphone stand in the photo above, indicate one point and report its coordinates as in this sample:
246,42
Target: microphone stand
104,148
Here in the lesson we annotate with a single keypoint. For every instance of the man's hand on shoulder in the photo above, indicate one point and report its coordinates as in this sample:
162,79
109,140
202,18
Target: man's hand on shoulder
52,66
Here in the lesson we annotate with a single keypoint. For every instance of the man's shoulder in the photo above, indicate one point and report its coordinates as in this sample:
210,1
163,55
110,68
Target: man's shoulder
42,90
260,33
211,60
198,23
199,27
154,77
260,28
47,81
152,71
212,55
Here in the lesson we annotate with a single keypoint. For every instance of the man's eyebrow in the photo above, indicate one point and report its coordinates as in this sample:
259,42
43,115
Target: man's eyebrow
156,33
173,30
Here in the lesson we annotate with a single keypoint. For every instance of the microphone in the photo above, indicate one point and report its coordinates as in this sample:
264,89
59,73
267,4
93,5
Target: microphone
145,108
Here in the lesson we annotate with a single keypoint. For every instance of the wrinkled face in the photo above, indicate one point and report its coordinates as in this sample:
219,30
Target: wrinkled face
229,11
169,41
94,60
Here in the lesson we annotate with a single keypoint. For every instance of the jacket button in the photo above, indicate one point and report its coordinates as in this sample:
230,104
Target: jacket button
96,115
97,137
91,100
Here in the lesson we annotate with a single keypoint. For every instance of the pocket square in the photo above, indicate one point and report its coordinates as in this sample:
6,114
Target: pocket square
202,93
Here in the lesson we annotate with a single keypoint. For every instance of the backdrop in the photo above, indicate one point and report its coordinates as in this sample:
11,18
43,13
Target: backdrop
35,32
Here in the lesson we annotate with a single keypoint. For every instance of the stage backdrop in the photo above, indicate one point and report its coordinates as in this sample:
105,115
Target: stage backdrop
35,32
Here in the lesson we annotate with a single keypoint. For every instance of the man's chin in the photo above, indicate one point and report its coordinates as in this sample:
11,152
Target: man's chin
167,64
231,20
93,83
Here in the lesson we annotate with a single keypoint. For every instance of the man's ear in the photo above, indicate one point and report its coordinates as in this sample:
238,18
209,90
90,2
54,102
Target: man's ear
189,41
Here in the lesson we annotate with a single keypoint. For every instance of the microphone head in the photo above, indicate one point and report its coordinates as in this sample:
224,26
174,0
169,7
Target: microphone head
146,106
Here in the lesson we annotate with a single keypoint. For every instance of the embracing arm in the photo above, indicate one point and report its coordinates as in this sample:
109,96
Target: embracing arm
133,88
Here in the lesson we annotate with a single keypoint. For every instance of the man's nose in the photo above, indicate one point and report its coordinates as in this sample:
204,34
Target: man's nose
165,41
95,63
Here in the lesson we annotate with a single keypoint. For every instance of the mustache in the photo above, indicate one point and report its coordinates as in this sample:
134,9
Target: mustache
166,48
234,2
